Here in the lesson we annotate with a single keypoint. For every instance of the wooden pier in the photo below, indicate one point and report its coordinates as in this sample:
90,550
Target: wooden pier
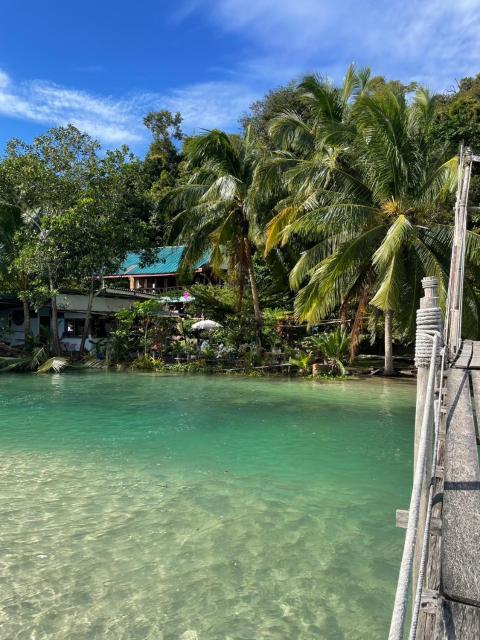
439,576
450,607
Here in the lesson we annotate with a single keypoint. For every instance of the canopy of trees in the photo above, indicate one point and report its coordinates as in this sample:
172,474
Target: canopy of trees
333,202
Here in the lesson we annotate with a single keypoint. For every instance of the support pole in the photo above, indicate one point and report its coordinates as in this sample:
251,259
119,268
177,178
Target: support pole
429,318
457,264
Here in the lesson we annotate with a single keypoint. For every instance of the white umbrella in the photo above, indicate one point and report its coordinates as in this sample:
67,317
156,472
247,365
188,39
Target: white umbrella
206,325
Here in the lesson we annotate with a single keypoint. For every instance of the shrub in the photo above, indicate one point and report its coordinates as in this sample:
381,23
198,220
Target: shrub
147,363
330,348
302,362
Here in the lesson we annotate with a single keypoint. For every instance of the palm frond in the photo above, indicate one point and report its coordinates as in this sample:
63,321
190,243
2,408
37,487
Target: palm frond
55,364
335,275
288,130
217,147
276,227
397,236
388,296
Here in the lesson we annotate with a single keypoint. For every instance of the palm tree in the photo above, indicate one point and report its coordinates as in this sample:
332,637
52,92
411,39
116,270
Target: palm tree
368,200
218,208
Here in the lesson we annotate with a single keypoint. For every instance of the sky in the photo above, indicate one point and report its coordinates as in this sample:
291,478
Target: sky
103,65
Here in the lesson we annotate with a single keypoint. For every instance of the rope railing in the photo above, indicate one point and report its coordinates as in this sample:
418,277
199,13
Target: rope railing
424,552
403,586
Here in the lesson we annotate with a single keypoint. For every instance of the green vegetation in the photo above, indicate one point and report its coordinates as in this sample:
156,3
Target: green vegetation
364,182
330,206
331,349
217,208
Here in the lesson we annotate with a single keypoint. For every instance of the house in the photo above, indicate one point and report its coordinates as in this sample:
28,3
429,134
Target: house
72,309
161,276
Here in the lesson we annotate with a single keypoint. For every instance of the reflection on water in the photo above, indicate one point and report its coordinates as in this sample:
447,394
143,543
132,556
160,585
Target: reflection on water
138,506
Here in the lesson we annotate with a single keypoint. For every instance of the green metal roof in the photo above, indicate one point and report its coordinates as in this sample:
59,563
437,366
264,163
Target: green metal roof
167,262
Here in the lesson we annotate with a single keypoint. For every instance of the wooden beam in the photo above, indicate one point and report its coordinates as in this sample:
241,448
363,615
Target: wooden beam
457,621
475,379
461,500
465,355
401,522
401,518
475,361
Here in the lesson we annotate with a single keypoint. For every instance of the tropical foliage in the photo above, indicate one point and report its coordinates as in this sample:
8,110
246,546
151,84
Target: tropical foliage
331,205
330,348
365,182
217,209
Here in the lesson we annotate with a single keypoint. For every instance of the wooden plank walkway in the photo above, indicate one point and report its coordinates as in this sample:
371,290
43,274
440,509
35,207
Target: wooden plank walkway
469,356
451,601
462,361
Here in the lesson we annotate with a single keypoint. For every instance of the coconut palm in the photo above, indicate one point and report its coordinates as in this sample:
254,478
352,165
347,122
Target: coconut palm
370,207
216,207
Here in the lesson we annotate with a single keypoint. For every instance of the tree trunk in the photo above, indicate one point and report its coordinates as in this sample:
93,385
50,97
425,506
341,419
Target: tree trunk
343,316
358,323
88,317
253,284
145,337
241,289
388,370
26,321
56,346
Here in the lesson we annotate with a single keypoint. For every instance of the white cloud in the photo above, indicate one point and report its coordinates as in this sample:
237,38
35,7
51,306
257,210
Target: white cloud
434,41
110,120
4,80
210,105
120,121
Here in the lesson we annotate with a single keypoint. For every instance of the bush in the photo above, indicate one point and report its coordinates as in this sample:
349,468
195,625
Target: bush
195,366
147,363
303,362
330,348
141,328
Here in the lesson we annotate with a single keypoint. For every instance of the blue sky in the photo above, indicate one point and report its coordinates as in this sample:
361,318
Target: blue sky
102,65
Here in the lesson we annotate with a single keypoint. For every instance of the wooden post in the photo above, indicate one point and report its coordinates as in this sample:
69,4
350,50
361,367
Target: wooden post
429,301
457,264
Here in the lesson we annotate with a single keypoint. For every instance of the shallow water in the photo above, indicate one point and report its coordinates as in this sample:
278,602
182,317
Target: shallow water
136,506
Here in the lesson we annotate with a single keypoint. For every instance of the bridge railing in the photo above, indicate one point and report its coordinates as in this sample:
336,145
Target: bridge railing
430,412
441,346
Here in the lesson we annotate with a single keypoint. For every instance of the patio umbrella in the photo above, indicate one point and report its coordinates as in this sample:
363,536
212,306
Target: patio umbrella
206,325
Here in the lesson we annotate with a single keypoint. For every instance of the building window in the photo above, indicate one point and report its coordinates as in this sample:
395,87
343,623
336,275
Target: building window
74,327
98,327
17,318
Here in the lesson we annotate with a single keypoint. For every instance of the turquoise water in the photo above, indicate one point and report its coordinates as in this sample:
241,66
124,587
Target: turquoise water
136,506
